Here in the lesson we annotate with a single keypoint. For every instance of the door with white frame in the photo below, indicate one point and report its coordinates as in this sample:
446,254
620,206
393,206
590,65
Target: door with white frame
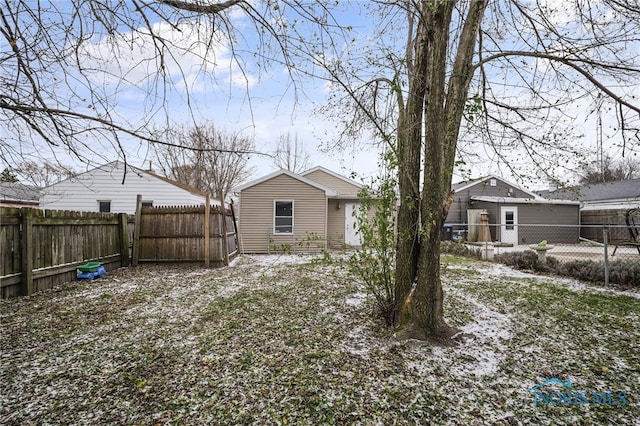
509,227
351,235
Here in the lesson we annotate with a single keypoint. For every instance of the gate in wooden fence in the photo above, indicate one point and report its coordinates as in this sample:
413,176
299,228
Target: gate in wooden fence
40,249
185,234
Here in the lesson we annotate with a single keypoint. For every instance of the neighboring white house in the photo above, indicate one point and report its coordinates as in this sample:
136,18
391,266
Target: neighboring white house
109,189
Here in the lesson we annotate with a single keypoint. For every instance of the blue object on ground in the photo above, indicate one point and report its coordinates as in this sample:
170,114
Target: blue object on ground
101,272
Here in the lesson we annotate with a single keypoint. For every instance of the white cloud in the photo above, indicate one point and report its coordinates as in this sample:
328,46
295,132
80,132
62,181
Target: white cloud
185,55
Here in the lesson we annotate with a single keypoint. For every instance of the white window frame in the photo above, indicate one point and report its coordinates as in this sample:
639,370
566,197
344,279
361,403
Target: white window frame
293,207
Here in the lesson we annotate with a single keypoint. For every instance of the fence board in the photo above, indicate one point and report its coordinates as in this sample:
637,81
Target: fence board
179,234
42,249
592,222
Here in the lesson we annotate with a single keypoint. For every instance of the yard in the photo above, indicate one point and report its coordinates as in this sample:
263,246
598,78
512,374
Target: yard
285,340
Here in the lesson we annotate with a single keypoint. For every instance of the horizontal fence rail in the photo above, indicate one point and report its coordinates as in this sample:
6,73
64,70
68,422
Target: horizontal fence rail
40,249
43,248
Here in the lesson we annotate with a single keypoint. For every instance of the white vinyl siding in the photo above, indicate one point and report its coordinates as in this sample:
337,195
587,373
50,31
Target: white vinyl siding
105,183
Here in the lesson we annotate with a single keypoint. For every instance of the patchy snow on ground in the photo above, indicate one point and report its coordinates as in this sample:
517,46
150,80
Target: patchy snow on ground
288,339
493,270
356,299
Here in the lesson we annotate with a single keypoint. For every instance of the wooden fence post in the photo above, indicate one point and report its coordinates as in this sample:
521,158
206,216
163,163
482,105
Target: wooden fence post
26,246
207,231
225,241
135,256
235,227
124,239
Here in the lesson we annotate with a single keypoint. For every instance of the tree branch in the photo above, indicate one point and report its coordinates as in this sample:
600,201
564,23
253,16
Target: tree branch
201,8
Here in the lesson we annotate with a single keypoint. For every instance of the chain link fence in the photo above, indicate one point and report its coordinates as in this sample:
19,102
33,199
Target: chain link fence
608,250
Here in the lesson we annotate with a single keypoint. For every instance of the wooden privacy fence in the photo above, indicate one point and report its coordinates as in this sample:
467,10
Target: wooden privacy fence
184,234
592,223
42,248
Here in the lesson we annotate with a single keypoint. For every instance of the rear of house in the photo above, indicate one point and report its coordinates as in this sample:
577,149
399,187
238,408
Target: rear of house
529,221
341,207
285,211
282,212
114,188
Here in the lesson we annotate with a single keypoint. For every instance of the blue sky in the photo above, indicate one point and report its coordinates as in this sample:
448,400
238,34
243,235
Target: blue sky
258,101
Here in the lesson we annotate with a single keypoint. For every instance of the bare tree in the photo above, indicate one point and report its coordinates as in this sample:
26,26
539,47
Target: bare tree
43,173
69,70
290,154
205,158
609,170
504,72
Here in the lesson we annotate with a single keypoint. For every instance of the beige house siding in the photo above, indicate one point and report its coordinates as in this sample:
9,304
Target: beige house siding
335,223
340,185
256,216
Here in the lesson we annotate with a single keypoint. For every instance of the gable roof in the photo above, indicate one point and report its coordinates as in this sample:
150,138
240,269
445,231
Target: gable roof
328,191
16,191
119,164
332,173
618,190
461,186
516,200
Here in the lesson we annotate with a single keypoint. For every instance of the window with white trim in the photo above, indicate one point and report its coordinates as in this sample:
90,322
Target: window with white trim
283,217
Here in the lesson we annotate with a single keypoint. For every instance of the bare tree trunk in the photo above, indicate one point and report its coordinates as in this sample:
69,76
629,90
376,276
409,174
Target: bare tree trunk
422,315
409,158
408,223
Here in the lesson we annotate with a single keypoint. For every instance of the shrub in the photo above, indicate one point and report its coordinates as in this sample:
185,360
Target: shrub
624,273
527,260
586,270
374,261
459,249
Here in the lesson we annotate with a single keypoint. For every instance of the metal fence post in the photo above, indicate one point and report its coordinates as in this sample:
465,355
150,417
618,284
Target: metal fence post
605,238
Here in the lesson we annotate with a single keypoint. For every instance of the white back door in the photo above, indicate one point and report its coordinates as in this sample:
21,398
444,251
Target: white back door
509,227
351,236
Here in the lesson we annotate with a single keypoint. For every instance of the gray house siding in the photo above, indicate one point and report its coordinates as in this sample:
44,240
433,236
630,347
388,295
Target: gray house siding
537,222
462,199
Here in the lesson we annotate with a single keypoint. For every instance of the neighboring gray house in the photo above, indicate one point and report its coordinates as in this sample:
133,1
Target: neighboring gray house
606,203
516,216
620,195
303,212
108,189
16,194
